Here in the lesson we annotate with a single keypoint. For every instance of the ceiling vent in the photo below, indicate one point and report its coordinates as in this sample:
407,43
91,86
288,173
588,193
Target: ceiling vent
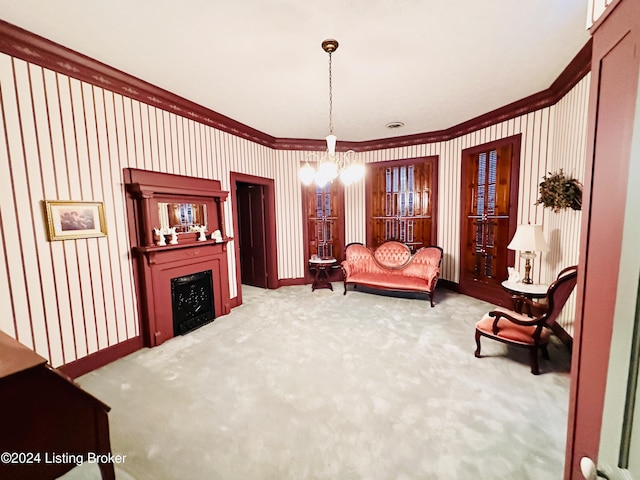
394,125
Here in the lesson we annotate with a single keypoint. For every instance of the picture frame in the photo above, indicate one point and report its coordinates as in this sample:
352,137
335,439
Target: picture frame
67,219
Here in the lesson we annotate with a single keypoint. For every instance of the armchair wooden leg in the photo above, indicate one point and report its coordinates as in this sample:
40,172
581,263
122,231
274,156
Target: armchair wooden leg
431,299
477,352
345,288
533,355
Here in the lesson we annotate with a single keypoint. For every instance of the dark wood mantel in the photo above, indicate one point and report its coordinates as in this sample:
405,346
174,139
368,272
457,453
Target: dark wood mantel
151,252
156,265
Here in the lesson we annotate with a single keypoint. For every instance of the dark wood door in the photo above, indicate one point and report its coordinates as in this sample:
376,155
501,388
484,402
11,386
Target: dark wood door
488,218
402,201
324,210
612,128
251,226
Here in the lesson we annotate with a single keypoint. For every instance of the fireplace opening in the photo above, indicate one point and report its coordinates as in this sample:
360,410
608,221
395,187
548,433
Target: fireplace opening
192,301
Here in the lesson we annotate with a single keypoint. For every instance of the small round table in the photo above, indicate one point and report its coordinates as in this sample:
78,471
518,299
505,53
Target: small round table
320,268
528,290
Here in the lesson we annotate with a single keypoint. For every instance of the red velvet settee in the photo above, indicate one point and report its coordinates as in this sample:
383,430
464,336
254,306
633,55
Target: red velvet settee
392,267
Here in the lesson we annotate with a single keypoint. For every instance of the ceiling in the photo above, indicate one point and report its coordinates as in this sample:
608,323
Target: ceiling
430,65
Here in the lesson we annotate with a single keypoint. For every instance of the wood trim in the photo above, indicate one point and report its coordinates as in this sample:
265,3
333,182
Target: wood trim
435,161
101,357
607,11
608,157
493,294
449,285
235,302
338,190
270,221
288,282
570,76
35,49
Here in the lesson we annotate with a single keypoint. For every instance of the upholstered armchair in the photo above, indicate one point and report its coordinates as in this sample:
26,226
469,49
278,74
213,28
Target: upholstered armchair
532,332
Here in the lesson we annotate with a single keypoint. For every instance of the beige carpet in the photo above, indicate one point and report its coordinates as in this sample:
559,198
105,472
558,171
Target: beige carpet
301,385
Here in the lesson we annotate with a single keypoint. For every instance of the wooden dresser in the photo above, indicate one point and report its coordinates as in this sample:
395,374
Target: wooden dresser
48,424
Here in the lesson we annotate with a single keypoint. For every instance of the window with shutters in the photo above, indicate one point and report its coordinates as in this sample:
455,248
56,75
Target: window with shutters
489,187
402,200
324,217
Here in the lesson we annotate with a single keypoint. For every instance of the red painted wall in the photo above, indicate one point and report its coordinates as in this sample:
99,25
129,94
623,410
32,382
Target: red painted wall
614,84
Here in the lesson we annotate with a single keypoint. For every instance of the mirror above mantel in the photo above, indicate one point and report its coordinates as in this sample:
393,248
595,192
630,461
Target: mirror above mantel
160,202
181,216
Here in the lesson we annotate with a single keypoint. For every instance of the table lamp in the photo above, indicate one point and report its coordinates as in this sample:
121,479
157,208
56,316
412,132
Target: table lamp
528,239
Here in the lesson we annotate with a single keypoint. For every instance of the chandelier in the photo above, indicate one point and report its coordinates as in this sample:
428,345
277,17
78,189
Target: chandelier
331,164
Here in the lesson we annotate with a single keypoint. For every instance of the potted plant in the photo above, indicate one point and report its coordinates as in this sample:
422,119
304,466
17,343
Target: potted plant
557,191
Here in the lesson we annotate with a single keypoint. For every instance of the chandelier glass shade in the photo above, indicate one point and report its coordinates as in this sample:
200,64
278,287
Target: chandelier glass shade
330,164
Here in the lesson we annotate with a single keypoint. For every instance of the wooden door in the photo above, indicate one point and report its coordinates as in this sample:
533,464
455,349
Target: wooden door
489,196
251,226
324,209
402,202
612,124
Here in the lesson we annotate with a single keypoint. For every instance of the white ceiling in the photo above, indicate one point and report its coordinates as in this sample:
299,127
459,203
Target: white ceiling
431,65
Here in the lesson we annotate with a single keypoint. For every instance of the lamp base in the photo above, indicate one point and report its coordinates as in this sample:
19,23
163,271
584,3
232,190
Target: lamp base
527,272
528,256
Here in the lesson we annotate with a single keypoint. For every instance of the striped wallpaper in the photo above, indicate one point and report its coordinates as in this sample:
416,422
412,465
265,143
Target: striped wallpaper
69,140
552,138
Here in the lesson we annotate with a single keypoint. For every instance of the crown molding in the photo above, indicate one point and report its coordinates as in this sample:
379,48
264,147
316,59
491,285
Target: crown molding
570,76
33,48
38,50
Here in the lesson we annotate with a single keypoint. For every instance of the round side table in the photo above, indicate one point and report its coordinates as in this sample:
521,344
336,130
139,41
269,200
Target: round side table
320,268
528,290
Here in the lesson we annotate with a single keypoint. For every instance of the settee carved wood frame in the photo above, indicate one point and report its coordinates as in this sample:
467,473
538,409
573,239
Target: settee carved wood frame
391,267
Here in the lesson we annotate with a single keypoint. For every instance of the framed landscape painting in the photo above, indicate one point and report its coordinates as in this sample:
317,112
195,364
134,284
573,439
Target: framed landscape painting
68,219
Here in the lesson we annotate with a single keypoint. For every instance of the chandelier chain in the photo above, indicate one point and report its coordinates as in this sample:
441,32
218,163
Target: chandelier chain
330,98
331,164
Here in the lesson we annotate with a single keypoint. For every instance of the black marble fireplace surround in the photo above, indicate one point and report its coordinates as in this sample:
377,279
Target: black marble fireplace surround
192,301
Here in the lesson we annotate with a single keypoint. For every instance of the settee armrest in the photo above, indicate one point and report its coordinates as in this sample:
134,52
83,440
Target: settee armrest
425,264
358,258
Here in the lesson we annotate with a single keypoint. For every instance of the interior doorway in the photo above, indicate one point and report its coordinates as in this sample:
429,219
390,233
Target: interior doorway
251,234
254,226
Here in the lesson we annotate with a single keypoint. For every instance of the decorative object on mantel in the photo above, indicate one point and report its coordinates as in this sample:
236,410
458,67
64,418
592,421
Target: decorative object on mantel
68,220
200,229
174,235
528,239
217,236
330,164
160,234
557,191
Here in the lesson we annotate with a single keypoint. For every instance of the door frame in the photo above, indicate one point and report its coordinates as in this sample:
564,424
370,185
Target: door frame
335,274
608,162
491,294
252,198
271,251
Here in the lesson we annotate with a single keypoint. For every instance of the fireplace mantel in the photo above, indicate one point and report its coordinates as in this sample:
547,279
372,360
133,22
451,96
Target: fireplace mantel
151,253
156,265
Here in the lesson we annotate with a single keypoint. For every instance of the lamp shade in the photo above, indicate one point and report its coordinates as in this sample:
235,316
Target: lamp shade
529,238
